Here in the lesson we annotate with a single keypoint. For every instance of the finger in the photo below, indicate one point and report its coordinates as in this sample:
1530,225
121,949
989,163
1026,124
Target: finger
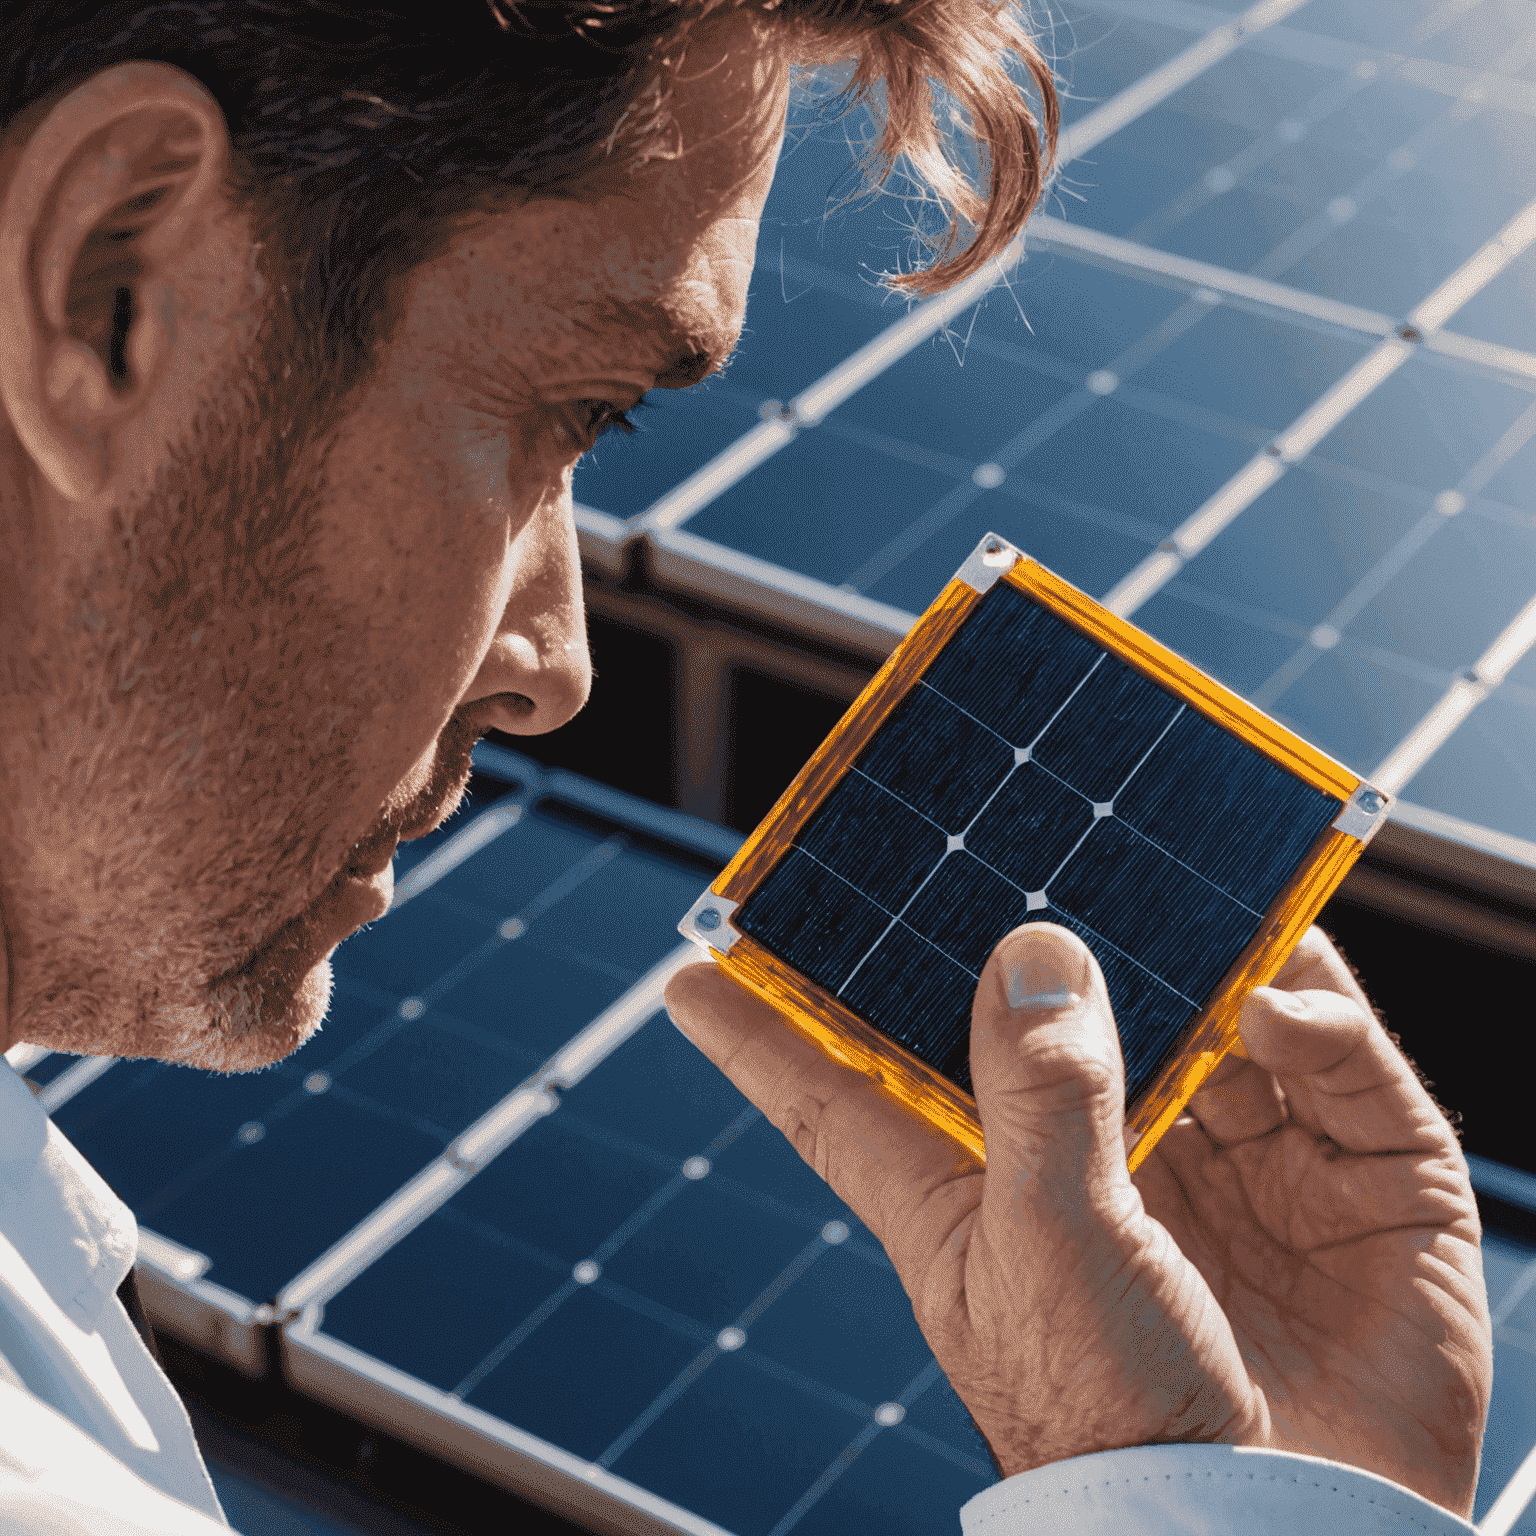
1341,1076
1237,1102
1049,1081
901,1176
1316,965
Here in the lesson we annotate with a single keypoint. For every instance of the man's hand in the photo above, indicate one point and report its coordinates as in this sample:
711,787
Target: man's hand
1295,1265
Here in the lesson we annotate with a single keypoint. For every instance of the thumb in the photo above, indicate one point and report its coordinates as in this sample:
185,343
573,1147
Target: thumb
1047,1071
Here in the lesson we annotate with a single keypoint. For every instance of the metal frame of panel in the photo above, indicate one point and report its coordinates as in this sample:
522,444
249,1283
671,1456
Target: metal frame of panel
923,1092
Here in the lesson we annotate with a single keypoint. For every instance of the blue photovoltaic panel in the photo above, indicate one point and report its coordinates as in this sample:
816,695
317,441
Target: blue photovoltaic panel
439,1010
1030,775
651,1279
1355,159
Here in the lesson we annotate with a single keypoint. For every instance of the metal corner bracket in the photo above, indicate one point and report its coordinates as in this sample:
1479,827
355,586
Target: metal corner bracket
1364,813
987,562
708,923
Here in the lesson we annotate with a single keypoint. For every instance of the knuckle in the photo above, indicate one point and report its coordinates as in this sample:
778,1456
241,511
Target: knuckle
1069,1075
801,1117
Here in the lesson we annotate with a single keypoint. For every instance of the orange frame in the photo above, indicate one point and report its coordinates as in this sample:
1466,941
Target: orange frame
921,1090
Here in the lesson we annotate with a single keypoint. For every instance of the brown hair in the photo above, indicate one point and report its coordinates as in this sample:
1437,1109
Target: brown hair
360,130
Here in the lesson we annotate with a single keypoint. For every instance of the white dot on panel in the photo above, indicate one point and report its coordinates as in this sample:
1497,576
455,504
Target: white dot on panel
1103,808
586,1272
1219,179
730,1338
1324,637
1292,131
696,1168
412,1008
835,1232
1474,93
1035,900
1342,209
1101,382
1449,503
251,1132
1402,160
988,476
513,928
317,1082
1021,754
890,1413
954,843
1206,296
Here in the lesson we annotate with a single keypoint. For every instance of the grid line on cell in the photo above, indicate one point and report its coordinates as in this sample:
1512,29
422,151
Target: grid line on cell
1458,701
897,918
1158,84
1243,489
1289,447
850,1453
886,789
708,1355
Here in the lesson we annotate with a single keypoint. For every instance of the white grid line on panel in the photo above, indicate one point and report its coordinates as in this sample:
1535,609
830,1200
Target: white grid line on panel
845,1459
1448,504
1319,419
55,1095
818,400
1155,87
1499,83
898,918
1458,701
479,1144
1120,254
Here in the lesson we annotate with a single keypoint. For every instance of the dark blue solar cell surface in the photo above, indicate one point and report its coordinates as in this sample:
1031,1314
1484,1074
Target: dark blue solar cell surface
1029,775
439,1010
632,1366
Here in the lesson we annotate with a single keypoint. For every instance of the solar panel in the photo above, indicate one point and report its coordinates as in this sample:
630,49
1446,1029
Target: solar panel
649,1313
1026,756
1313,234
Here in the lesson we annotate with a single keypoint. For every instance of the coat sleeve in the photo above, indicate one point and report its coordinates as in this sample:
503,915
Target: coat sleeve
1202,1490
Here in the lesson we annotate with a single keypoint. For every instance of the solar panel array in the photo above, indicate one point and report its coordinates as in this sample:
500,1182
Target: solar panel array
1032,776
1266,381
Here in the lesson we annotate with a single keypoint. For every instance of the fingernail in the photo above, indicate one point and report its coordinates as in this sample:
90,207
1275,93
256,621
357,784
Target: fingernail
1046,971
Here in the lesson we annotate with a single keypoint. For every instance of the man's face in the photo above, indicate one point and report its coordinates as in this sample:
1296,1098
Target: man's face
296,636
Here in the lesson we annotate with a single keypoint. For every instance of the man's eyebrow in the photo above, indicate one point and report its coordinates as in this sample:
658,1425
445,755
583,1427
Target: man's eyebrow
687,357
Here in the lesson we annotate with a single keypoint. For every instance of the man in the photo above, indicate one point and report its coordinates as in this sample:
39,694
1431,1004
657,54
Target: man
306,312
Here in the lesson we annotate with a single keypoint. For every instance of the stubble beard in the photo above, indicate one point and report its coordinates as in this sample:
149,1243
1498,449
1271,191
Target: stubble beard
199,718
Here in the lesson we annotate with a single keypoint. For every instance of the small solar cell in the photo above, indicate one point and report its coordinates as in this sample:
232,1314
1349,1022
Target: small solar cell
1041,762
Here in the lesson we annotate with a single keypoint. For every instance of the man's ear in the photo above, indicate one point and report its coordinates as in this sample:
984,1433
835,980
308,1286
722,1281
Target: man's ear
107,193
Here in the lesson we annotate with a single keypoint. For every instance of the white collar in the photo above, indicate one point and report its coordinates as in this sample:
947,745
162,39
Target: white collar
77,1237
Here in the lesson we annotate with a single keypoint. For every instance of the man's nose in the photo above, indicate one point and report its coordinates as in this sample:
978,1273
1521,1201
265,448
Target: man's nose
538,671
530,683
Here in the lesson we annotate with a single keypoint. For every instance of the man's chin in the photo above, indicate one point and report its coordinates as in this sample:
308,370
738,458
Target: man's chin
277,999
253,1020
